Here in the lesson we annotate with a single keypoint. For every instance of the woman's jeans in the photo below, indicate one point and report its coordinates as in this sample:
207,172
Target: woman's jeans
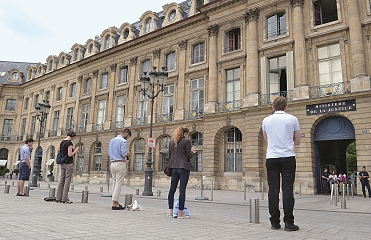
176,175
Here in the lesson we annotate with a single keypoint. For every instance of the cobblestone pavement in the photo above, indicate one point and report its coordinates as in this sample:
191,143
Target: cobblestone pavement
225,216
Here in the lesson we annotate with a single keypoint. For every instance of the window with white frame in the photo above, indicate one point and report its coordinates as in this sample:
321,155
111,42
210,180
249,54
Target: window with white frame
36,100
197,95
277,75
72,89
325,11
170,61
233,40
76,55
23,127
233,85
107,42
123,75
26,103
139,150
142,106
148,25
104,81
146,66
59,93
69,120
198,53
101,113
164,152
98,156
47,96
10,105
233,154
84,116
33,124
329,64
120,112
168,101
276,25
80,158
197,141
7,129
55,122
87,85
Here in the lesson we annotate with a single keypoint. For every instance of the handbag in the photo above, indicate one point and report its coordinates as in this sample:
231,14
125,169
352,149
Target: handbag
61,158
167,169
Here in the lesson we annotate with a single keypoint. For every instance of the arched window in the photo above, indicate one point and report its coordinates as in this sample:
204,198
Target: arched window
107,42
233,150
172,16
126,33
148,25
80,158
98,156
52,152
164,152
197,141
76,55
139,150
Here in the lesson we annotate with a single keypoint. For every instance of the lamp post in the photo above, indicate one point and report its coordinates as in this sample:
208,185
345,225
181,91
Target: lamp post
42,111
148,84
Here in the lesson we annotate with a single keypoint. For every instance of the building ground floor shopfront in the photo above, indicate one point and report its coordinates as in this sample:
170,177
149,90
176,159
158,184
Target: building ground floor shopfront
230,146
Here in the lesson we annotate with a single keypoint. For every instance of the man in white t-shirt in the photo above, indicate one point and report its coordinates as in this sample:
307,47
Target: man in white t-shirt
281,131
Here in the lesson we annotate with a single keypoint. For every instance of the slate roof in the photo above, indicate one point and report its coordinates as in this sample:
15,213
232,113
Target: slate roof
6,66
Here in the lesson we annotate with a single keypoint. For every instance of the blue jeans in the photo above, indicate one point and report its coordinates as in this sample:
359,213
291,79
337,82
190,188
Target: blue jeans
285,167
176,175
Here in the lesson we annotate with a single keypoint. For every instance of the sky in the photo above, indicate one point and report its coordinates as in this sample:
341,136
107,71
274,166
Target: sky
31,31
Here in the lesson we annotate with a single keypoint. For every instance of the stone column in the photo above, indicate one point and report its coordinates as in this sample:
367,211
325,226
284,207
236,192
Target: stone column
360,81
92,110
213,31
180,96
301,90
62,116
110,103
131,98
77,113
252,65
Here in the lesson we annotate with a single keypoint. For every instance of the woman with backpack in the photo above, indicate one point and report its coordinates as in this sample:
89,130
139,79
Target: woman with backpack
66,146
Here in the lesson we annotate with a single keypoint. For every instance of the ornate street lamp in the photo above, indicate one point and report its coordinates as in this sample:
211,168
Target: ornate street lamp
148,84
42,111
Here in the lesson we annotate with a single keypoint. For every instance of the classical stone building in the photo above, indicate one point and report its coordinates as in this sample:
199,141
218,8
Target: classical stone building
227,60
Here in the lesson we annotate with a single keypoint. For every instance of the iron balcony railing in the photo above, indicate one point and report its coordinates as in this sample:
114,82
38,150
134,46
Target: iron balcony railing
229,106
269,98
117,125
231,48
330,89
167,117
138,121
82,129
98,127
195,113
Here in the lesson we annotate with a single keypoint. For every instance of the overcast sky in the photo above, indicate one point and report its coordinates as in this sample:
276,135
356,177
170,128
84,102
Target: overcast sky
30,31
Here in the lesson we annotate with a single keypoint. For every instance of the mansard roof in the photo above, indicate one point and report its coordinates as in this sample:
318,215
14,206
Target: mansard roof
6,67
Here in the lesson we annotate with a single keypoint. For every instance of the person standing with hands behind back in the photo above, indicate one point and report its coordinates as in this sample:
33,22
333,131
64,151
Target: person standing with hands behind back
25,165
363,177
180,153
282,132
66,168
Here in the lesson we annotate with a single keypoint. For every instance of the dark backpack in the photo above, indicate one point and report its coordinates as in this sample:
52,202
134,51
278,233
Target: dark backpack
61,158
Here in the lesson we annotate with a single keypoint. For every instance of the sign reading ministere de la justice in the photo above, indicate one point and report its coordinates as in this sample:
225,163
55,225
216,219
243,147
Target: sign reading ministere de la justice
331,107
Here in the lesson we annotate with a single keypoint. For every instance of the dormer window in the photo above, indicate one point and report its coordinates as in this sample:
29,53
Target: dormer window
76,54
51,65
107,42
90,49
199,3
148,25
62,60
172,16
15,76
126,33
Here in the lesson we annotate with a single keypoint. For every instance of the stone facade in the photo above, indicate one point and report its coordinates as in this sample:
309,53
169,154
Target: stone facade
227,61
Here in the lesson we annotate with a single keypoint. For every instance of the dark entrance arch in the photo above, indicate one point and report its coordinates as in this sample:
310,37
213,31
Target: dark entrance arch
332,136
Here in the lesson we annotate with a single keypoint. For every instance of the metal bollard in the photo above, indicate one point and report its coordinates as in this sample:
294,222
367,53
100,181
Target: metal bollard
85,196
72,187
48,185
299,189
137,191
348,190
212,190
254,210
6,183
6,189
158,193
86,187
51,192
38,185
244,192
262,190
101,189
128,199
26,190
13,183
352,188
343,203
332,194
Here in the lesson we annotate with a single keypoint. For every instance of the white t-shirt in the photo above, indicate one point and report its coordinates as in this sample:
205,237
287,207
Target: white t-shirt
280,128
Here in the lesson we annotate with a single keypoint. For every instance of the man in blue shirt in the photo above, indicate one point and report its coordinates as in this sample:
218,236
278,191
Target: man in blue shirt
24,165
117,151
